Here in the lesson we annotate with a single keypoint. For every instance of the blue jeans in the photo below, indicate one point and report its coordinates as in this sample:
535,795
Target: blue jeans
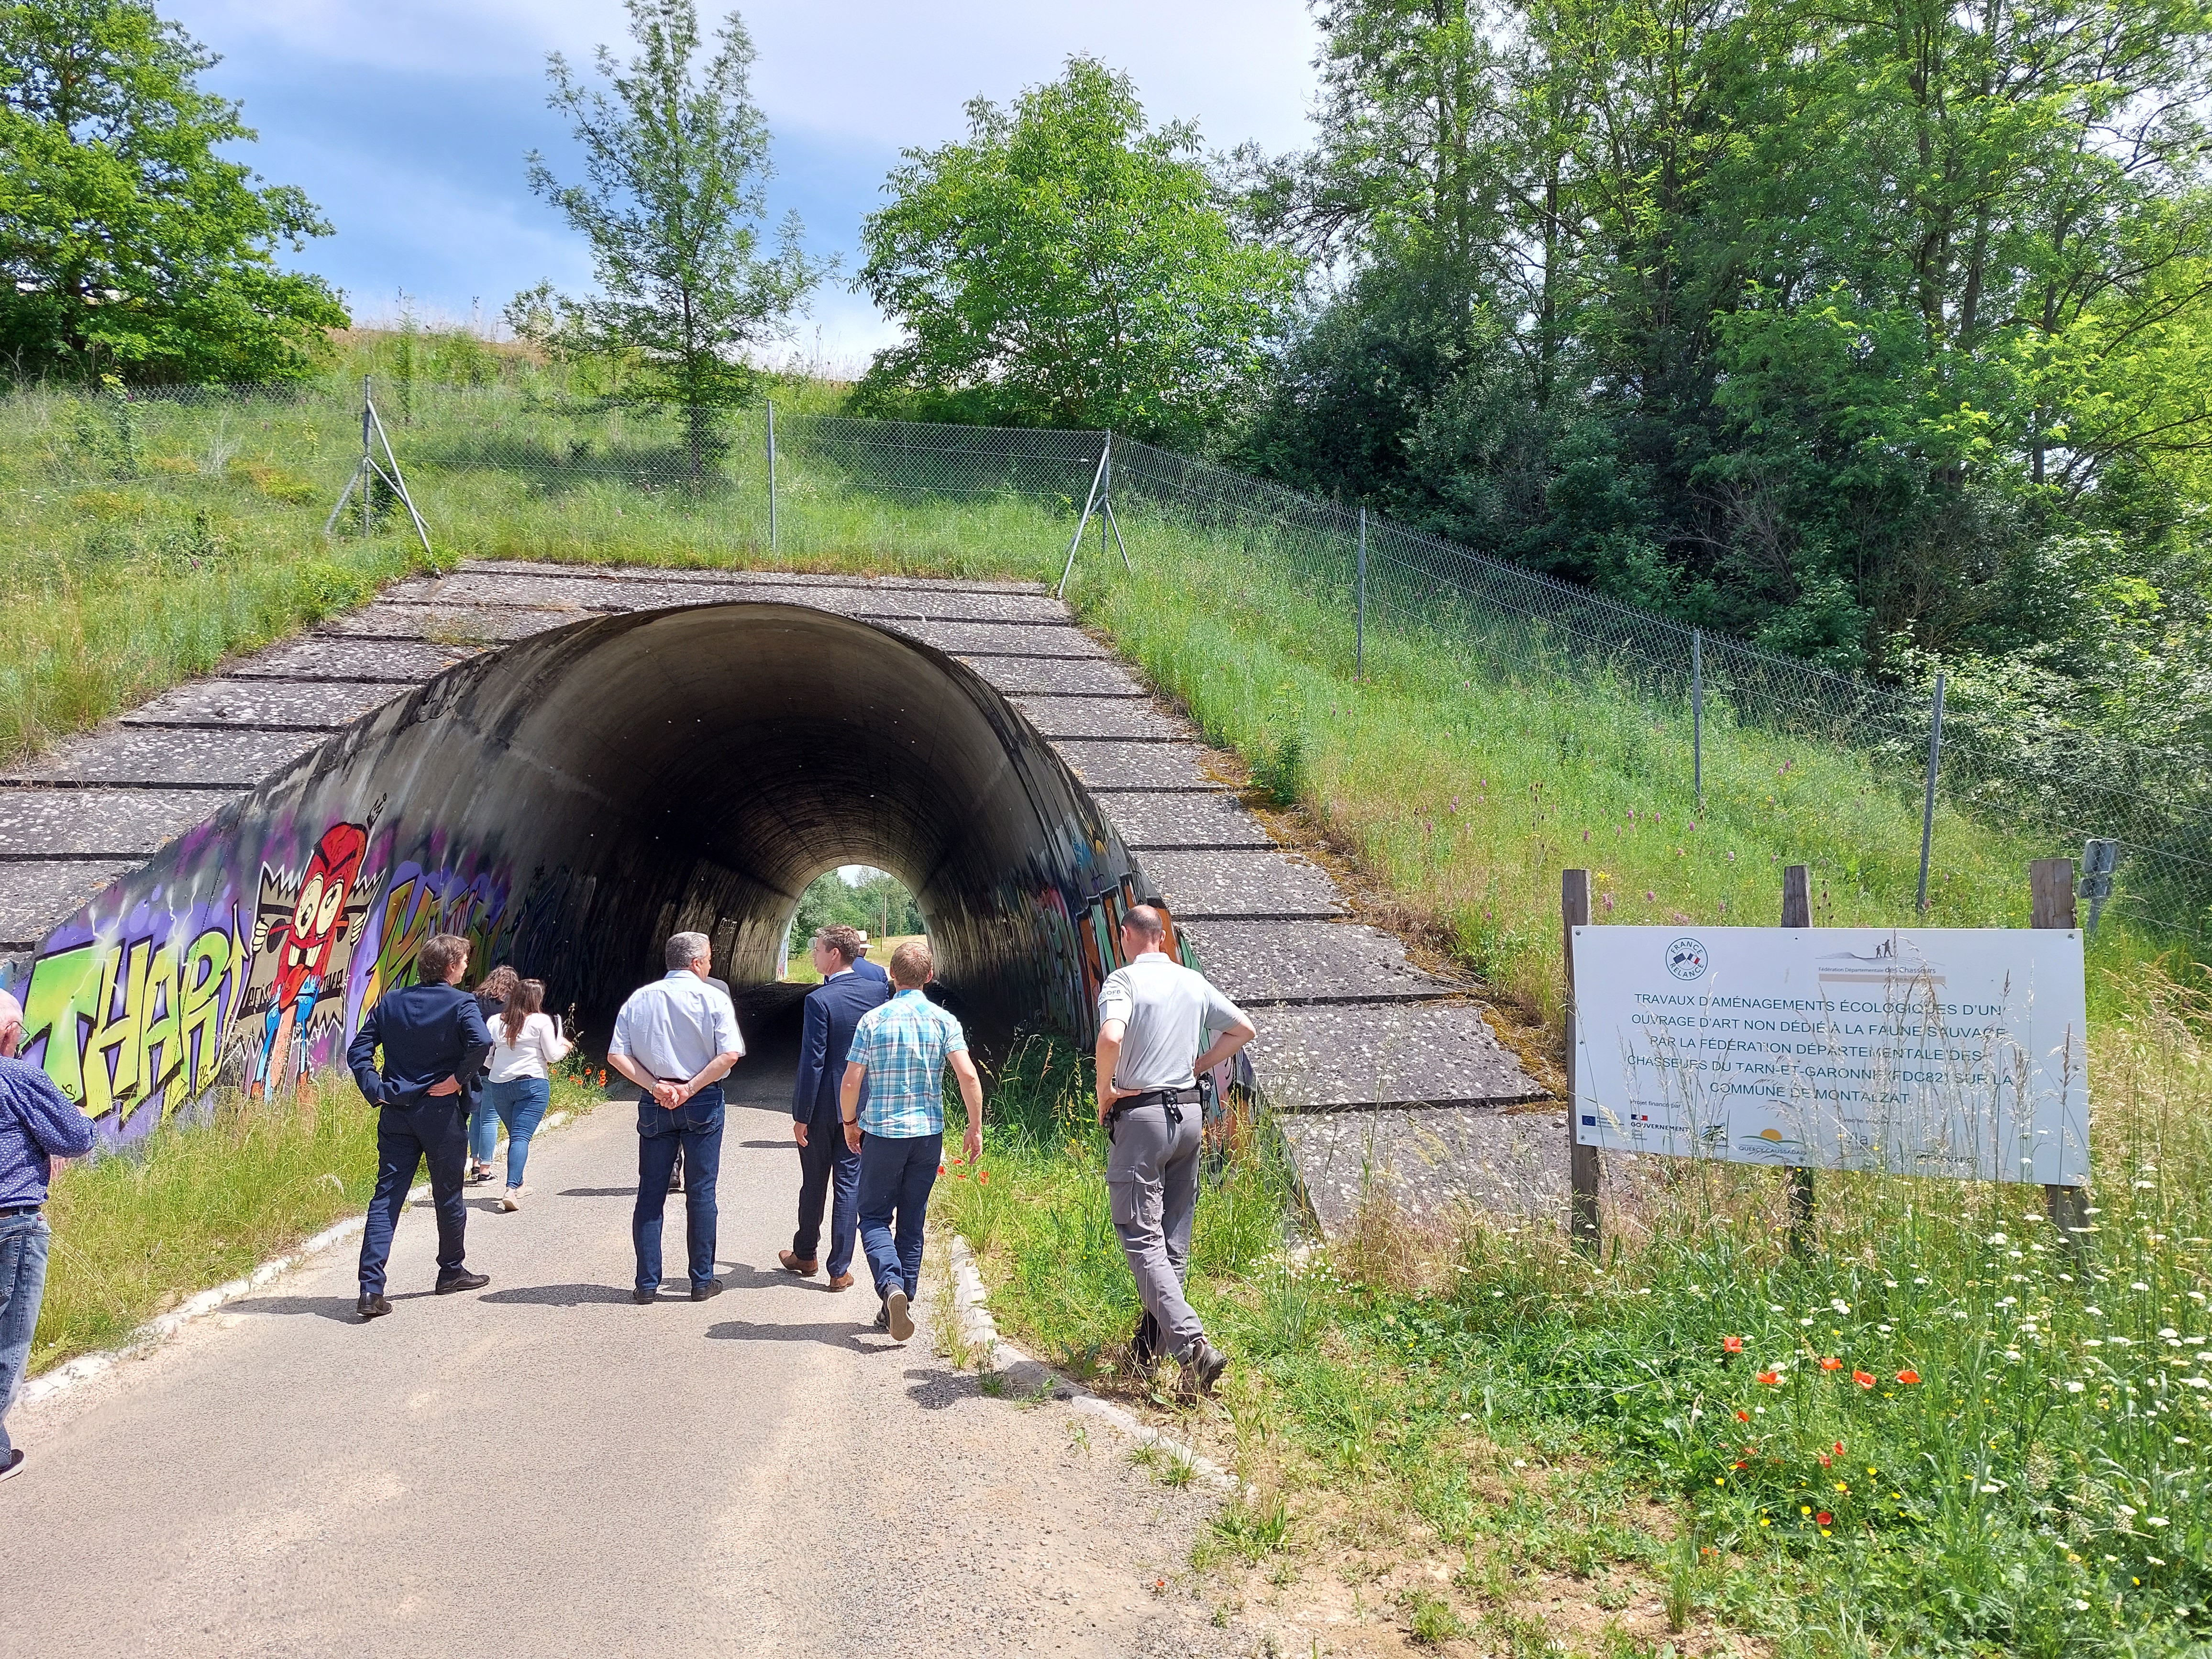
483,1126
829,1175
897,1173
695,1128
22,1286
435,1131
519,1104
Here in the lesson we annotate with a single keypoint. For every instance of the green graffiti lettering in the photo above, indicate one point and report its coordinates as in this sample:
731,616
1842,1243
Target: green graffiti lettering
60,987
160,1033
201,1021
107,1085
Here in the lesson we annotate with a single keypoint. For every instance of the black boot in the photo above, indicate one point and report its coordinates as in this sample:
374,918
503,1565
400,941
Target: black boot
1145,1346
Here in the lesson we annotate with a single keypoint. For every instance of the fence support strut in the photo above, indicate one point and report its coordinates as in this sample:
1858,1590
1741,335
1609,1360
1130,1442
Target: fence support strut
1582,1161
1797,912
1106,518
1098,477
2050,888
1928,808
771,474
370,470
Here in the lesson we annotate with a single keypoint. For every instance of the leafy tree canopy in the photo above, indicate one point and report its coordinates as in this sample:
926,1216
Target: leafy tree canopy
674,190
127,245
1068,266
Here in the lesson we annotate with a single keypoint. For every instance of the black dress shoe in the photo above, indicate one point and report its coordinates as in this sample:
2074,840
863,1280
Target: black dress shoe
700,1292
462,1281
643,1297
372,1307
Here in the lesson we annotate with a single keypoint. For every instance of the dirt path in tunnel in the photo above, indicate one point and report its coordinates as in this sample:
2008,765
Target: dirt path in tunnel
544,1466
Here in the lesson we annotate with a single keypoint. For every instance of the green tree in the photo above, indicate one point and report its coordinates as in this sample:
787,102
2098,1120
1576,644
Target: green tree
1068,266
127,245
675,167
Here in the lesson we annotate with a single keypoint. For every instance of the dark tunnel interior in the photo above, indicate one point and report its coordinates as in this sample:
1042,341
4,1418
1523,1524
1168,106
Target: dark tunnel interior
696,768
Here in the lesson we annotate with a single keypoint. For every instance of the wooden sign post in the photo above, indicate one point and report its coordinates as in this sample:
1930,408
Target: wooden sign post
1582,1161
1797,912
2051,887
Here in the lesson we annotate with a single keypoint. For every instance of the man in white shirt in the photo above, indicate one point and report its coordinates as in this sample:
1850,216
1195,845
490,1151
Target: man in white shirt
1153,1018
676,1039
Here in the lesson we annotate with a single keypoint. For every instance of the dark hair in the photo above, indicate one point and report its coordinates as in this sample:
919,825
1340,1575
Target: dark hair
845,940
527,998
499,984
441,953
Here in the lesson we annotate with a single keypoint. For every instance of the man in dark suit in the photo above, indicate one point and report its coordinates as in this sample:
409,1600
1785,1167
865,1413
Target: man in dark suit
434,1043
827,1169
868,969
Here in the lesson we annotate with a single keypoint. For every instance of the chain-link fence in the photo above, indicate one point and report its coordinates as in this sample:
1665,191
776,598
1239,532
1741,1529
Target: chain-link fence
522,468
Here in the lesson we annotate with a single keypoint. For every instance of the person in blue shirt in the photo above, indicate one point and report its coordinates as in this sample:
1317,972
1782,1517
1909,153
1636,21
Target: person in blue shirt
899,1054
37,1125
866,967
434,1043
829,1170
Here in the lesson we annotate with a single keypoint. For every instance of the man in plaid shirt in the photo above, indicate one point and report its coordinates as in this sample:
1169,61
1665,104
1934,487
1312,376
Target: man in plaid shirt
901,1050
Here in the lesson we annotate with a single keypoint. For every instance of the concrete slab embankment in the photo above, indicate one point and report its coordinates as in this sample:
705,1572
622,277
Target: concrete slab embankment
1383,1072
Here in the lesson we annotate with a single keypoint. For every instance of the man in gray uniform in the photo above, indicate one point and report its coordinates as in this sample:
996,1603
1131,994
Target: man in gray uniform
1153,1018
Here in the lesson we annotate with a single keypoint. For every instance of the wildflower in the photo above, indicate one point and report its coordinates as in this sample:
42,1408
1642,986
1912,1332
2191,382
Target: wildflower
1770,1378
1824,1519
940,1169
1732,1344
1864,1379
1908,1378
1831,1363
1742,1416
982,1177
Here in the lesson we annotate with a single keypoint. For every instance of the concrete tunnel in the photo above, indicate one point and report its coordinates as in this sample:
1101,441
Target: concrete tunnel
568,802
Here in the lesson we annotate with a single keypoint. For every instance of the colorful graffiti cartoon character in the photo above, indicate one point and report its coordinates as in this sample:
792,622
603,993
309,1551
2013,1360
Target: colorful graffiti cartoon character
304,931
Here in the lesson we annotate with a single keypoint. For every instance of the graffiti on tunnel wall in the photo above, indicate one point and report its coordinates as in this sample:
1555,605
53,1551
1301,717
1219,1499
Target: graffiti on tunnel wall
250,967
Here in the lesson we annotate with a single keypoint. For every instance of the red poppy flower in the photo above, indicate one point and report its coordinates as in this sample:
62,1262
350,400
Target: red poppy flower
1908,1378
1740,1464
983,1178
1732,1344
1773,1379
1825,1518
941,1168
1823,1456
1864,1379
1831,1363
1840,1449
1743,1417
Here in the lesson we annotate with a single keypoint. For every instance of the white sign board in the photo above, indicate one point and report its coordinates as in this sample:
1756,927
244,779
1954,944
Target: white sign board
1938,1051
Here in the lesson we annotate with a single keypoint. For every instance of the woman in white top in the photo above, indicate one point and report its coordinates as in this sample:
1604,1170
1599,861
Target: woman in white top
525,1046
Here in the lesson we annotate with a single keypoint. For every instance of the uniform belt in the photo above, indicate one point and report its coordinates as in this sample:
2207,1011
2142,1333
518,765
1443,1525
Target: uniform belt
1189,1097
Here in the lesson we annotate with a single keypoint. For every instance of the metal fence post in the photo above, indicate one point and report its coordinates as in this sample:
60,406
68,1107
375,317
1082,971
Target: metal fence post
1582,1161
1359,603
1697,714
771,474
1797,912
1927,808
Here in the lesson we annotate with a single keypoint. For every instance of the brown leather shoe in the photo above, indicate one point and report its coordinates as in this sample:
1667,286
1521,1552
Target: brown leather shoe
842,1282
800,1265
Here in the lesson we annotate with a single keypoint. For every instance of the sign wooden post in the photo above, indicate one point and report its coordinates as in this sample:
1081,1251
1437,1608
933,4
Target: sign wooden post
2050,888
1582,1161
1797,912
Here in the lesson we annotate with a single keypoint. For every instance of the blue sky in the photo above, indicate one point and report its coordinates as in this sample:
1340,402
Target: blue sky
407,121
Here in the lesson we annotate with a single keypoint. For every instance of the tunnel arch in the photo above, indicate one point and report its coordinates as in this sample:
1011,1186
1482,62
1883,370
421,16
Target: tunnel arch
568,801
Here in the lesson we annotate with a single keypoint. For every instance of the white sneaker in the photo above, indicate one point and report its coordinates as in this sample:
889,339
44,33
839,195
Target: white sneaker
902,1322
511,1200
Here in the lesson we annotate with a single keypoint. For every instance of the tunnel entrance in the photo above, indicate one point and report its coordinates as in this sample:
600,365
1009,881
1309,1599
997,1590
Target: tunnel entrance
570,801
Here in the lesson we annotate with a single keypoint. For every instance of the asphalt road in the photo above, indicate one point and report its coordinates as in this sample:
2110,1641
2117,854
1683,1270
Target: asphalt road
546,1467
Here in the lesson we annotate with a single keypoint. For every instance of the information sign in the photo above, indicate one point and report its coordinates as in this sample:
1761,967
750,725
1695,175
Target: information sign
1936,1051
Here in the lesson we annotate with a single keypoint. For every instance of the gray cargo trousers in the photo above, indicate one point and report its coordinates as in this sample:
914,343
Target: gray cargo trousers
1151,1175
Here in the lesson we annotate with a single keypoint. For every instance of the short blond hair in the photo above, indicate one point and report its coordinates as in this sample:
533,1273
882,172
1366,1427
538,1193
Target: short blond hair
911,965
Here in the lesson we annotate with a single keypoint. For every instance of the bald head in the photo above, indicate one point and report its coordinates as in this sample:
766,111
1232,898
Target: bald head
1144,923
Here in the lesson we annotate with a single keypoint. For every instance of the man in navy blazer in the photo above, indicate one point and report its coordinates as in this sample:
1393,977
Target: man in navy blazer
434,1043
827,1169
867,969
